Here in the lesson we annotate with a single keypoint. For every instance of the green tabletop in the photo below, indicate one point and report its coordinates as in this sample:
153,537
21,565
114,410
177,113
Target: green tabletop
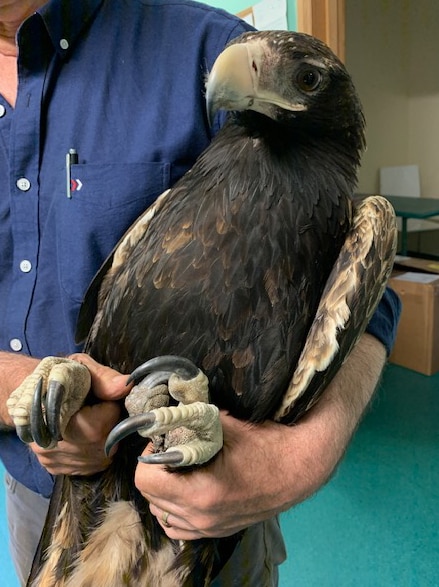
408,207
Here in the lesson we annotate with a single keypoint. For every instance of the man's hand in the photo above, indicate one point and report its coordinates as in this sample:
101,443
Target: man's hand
106,383
265,469
231,493
81,452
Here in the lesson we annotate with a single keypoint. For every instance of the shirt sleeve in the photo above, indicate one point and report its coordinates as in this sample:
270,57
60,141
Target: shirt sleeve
384,323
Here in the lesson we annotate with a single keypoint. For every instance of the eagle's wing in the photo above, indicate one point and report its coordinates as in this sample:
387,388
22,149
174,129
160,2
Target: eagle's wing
88,314
352,292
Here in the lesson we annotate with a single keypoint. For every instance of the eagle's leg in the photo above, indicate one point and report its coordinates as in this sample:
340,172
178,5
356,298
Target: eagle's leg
192,430
43,404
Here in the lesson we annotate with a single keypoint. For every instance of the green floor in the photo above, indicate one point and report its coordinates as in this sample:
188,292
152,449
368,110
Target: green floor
376,523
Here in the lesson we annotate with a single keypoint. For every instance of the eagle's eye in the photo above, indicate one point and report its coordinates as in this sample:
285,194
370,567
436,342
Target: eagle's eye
309,79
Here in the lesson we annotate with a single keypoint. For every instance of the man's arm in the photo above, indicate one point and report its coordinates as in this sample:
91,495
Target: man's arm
262,469
266,469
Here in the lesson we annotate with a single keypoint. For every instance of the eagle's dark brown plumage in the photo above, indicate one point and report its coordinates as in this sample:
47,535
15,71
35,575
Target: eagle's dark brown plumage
256,265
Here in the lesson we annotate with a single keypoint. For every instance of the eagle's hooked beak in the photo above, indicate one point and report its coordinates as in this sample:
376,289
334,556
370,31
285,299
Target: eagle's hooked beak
237,82
231,83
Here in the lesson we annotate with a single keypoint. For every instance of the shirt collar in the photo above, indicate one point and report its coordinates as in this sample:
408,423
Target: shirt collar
65,20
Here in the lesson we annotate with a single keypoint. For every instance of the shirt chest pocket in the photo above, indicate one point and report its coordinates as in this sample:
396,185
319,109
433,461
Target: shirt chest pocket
105,200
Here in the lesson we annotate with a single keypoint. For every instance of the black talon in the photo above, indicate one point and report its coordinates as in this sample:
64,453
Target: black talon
39,430
172,457
24,434
155,378
54,399
127,427
150,374
167,363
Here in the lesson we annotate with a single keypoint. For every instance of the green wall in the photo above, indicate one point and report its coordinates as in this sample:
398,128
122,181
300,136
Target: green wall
235,6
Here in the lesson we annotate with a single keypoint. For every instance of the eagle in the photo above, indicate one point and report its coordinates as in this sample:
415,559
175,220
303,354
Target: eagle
243,288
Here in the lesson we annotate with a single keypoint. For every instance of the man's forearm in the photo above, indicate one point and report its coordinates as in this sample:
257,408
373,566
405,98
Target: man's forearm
336,416
13,369
353,387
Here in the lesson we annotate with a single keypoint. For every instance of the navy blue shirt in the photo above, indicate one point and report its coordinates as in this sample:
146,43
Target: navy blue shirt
122,83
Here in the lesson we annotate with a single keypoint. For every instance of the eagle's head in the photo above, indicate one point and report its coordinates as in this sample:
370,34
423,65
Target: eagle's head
293,79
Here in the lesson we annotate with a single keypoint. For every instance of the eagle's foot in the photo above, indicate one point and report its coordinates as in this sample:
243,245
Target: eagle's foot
193,434
192,430
185,382
43,404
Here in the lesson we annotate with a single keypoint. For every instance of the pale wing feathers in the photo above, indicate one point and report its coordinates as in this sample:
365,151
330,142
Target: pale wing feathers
370,243
119,256
136,231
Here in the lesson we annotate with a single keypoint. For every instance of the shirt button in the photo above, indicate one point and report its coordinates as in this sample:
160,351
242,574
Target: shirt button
16,344
64,44
2,110
25,266
23,184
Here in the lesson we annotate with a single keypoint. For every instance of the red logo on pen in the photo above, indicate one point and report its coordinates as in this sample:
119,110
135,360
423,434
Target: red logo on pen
75,185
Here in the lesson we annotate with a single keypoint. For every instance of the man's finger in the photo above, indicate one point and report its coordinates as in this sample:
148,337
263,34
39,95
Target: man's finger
107,383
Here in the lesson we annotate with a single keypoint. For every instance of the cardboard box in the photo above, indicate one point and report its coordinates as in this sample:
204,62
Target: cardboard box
417,341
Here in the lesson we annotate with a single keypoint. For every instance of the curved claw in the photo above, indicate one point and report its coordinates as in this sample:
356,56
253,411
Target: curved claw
127,427
38,428
166,363
24,434
155,378
172,457
54,400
